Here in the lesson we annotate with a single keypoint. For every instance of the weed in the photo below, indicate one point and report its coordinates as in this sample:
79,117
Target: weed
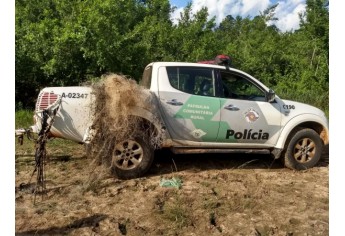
241,203
45,207
177,212
95,180
211,204
159,204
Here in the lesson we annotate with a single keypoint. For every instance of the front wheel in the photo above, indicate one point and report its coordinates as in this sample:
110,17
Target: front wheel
304,150
132,158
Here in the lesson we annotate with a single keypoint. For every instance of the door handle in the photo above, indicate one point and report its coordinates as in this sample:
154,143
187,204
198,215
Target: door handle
231,108
174,102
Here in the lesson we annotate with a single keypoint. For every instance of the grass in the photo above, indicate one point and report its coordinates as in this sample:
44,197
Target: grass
24,119
174,209
59,151
177,212
212,201
76,199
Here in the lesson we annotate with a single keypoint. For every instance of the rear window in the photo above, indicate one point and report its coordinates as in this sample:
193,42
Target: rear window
192,80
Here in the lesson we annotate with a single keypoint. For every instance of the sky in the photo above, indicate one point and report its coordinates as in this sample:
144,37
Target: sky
287,10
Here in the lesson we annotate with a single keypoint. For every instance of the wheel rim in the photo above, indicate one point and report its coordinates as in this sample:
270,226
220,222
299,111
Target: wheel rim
128,155
304,150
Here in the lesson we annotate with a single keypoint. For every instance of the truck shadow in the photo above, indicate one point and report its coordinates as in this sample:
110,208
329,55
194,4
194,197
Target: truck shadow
51,158
91,221
166,162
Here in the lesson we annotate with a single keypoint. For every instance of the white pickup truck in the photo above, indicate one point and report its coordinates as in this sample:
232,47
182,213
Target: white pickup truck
203,108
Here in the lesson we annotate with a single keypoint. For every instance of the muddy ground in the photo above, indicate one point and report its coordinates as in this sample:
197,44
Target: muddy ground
220,195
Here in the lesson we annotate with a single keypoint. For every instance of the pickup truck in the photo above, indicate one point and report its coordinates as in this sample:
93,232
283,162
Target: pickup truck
202,108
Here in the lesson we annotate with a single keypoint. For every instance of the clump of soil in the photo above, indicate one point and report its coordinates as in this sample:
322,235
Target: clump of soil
116,98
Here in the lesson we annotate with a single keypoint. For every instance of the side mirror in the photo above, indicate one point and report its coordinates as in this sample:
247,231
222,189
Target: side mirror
270,95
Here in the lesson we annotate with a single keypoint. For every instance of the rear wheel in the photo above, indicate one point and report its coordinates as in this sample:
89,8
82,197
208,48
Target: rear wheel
132,158
304,150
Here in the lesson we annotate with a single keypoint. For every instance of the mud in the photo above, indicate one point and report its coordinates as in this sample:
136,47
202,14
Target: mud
220,195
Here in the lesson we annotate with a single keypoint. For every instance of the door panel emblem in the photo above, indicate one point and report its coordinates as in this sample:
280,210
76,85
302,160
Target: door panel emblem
198,133
251,115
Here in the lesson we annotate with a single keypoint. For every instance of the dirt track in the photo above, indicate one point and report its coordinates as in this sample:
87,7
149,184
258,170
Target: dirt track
220,195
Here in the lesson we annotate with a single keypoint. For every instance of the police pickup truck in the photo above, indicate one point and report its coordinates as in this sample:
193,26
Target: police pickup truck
203,108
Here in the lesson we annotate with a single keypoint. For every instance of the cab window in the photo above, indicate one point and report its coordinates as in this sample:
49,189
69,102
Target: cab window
192,80
237,87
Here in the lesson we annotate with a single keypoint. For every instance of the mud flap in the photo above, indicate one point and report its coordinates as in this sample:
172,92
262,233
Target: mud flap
277,153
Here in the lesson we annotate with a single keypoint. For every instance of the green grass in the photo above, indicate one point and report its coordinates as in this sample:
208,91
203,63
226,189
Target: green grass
24,118
177,213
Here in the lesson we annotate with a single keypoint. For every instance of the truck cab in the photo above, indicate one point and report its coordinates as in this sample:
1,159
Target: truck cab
211,106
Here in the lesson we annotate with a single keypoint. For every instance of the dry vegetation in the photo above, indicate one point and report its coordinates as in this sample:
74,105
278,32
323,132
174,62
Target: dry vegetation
116,97
220,195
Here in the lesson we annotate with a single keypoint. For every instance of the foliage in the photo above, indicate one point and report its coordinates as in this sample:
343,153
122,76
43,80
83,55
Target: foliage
61,43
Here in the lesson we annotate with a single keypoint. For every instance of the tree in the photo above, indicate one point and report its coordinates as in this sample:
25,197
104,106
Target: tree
193,38
60,42
46,51
307,53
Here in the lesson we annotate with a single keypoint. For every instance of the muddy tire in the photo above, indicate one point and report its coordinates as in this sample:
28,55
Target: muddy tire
304,150
132,158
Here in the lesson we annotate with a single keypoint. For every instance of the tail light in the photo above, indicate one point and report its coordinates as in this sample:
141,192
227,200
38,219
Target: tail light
46,100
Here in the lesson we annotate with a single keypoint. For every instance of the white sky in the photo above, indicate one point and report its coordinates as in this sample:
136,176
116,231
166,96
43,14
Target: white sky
287,10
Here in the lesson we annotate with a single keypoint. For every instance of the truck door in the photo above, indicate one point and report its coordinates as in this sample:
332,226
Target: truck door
188,102
246,116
